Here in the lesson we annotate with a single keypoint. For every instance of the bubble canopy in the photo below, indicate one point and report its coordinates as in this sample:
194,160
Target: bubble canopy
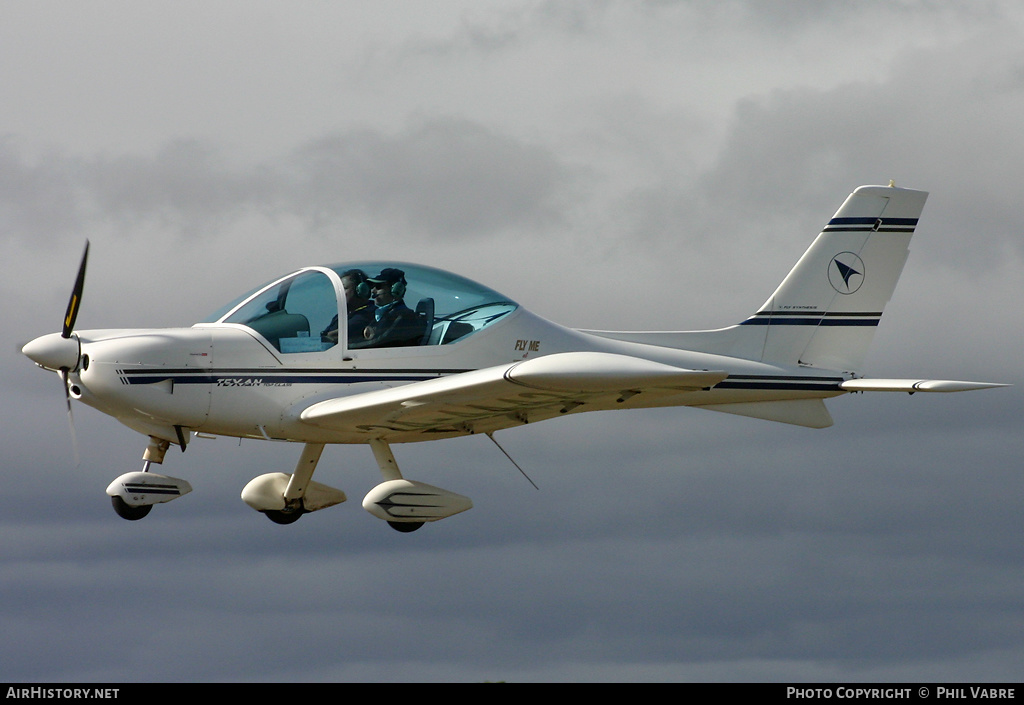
394,304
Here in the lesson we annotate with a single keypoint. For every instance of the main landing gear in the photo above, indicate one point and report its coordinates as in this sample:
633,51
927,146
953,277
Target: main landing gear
404,504
285,498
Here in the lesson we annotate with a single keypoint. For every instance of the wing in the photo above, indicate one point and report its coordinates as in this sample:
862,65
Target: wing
506,395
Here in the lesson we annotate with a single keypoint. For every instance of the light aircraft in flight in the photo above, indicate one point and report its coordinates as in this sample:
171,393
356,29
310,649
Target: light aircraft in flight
421,354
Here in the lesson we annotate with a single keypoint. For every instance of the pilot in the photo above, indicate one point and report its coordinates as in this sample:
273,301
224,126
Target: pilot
395,323
359,307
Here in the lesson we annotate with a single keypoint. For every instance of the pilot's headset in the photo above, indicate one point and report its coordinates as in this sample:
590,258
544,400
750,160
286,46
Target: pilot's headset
362,287
398,287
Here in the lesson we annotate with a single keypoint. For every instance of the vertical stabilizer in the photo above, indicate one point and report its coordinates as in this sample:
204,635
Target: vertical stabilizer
825,312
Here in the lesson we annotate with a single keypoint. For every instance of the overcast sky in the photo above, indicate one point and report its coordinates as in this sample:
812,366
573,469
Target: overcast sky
620,165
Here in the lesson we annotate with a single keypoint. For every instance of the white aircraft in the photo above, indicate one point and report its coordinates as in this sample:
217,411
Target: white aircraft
428,355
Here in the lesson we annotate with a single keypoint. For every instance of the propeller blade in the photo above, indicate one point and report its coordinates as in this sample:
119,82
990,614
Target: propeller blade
71,416
76,296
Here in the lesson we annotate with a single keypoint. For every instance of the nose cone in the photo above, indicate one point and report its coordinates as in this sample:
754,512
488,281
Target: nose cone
53,351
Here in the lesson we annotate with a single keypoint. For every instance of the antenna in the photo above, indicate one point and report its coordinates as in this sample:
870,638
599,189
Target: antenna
495,442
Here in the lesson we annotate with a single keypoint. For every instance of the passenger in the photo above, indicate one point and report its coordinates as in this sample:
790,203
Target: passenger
360,308
395,323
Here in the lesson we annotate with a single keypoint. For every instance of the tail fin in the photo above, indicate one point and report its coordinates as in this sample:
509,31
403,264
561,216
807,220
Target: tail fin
825,312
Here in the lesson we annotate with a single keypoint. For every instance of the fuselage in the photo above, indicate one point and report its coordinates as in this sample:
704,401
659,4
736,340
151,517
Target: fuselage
226,379
252,368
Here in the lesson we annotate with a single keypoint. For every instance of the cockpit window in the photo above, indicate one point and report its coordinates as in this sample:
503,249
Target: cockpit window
388,305
400,305
295,314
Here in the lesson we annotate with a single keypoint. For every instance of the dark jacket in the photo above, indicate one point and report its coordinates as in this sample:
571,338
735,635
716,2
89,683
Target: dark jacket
396,325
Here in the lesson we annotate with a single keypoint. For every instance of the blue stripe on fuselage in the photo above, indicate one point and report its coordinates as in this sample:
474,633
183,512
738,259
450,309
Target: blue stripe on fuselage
811,318
245,377
263,377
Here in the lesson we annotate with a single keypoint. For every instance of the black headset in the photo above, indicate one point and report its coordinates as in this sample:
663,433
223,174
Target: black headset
362,287
398,289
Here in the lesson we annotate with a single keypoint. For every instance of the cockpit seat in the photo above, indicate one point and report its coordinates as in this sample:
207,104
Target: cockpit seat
425,312
281,324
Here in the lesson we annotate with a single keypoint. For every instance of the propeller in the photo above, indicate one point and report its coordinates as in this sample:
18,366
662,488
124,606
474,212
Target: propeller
76,296
62,352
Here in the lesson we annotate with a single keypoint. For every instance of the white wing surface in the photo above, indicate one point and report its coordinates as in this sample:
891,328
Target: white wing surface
506,395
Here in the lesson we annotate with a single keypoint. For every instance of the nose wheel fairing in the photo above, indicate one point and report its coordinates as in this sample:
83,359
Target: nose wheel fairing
134,493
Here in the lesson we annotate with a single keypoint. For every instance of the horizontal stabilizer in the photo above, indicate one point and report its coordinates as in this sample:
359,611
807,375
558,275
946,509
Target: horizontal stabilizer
914,385
811,413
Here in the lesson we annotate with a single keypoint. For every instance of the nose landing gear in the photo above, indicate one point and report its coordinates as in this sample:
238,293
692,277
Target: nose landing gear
134,493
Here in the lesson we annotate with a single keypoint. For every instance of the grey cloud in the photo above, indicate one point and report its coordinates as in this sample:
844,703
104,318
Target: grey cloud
186,184
38,196
445,178
798,148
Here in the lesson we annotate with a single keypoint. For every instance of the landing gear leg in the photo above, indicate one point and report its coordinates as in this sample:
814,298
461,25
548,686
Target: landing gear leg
389,471
155,452
297,484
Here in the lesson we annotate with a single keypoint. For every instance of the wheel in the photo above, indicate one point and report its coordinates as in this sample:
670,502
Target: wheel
405,526
127,511
280,517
